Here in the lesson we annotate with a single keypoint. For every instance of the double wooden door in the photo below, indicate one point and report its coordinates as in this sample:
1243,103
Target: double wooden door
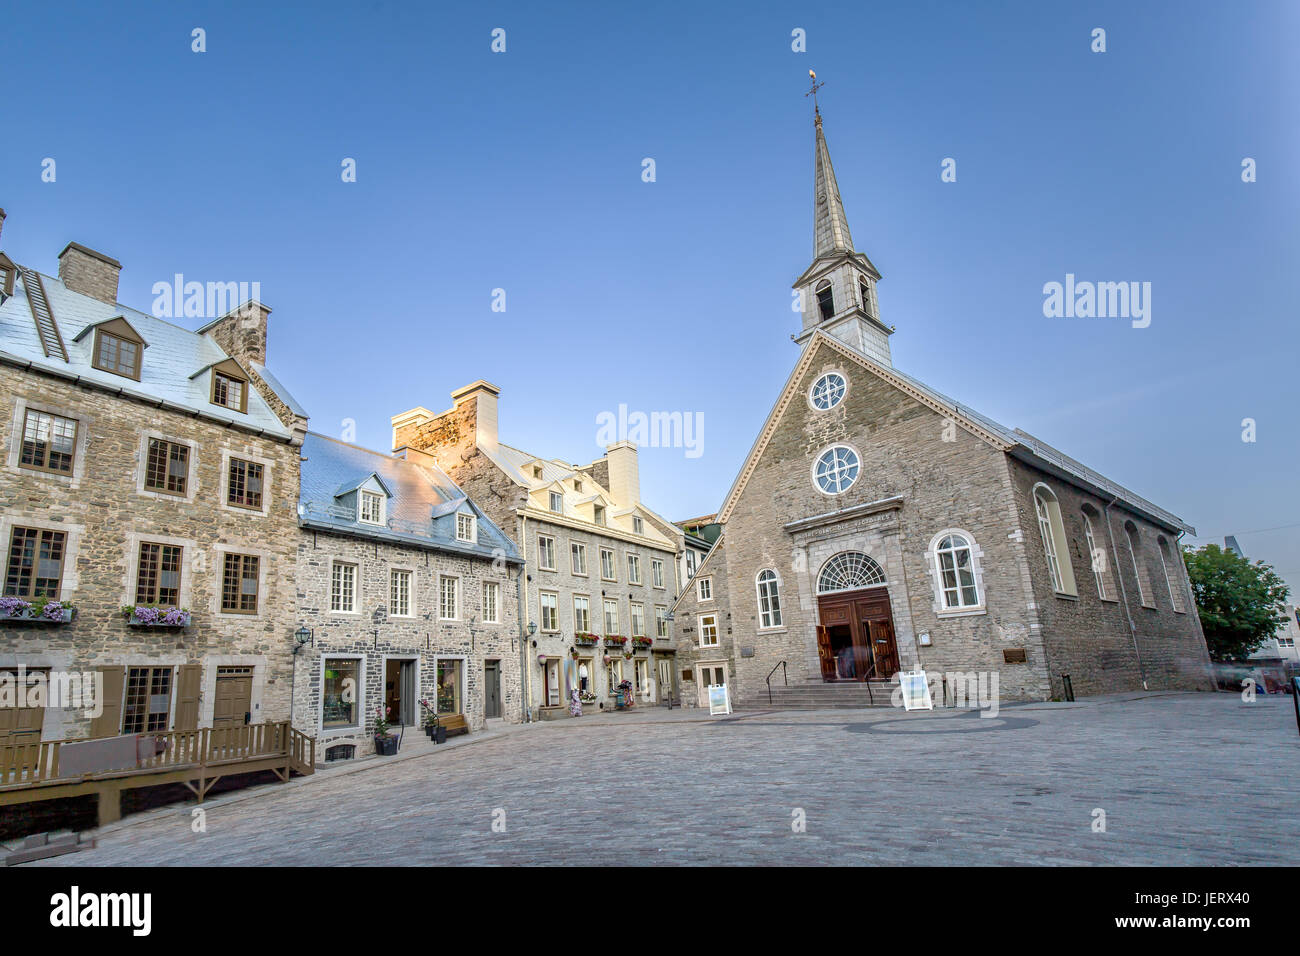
856,638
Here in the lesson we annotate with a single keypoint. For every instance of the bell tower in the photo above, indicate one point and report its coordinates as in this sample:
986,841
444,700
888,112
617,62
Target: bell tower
838,291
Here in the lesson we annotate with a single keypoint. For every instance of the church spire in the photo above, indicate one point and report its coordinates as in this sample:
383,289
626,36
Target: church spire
830,225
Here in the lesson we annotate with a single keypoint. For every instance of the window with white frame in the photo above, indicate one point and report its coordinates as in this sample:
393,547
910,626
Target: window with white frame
661,621
836,469
550,606
1175,594
598,514
708,630
615,674
690,565
546,552
657,572
372,507
827,391
704,589
466,527
638,618
557,502
581,614
608,571
611,616
638,526
578,558
1145,594
491,602
448,598
633,569
399,593
954,565
1052,530
769,599
1098,558
713,675
343,588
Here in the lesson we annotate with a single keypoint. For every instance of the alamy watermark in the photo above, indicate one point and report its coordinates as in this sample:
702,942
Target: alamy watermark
1101,300
201,300
652,429
56,690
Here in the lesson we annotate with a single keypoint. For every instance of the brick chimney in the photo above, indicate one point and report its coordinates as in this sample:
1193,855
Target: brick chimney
89,272
242,332
624,474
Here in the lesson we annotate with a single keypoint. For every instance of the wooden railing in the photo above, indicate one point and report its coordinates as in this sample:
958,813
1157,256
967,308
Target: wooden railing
39,762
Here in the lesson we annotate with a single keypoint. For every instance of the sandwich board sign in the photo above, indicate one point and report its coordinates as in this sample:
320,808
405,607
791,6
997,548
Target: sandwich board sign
719,700
916,690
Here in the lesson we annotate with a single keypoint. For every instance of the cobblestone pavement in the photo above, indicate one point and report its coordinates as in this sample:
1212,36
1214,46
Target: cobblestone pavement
1183,779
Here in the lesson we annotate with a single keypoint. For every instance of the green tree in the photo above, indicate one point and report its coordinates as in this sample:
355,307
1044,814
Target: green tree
1240,604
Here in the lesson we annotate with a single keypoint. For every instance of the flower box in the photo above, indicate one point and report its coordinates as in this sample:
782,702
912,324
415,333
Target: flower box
16,610
586,640
149,615
614,640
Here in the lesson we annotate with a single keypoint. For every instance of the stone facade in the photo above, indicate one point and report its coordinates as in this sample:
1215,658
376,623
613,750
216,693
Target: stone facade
420,637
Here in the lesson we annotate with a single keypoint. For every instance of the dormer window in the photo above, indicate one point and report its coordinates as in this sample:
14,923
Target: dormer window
825,299
557,502
577,485
638,526
466,529
537,471
599,514
117,355
229,392
7,272
372,507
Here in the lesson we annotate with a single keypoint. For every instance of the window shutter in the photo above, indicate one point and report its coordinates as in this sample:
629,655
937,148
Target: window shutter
187,699
109,722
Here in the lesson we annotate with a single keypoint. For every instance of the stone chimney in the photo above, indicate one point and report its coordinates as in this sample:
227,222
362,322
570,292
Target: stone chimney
624,474
89,272
483,395
242,332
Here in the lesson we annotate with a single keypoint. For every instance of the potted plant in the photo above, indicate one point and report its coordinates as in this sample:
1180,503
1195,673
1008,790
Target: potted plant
385,742
583,639
156,615
437,733
615,640
642,643
40,611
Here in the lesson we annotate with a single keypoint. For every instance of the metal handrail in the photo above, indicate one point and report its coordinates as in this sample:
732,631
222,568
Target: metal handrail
785,675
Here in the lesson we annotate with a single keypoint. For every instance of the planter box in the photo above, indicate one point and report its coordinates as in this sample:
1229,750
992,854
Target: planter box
34,616
184,622
386,746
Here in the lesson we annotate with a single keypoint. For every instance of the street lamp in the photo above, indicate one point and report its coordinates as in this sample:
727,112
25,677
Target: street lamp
532,628
304,635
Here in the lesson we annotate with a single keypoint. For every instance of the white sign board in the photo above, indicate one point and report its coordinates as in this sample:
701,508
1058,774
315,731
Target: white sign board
719,700
916,690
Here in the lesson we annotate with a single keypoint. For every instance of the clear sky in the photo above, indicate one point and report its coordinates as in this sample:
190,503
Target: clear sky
522,171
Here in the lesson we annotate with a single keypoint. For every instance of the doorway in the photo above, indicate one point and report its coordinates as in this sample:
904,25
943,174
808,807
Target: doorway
491,689
399,691
233,702
855,641
22,724
551,681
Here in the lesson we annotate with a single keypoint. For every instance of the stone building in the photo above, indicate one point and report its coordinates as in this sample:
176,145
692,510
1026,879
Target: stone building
409,595
600,575
150,484
878,526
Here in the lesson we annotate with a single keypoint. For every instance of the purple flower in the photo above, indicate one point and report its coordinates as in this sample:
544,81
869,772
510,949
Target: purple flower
174,616
12,606
52,611
147,615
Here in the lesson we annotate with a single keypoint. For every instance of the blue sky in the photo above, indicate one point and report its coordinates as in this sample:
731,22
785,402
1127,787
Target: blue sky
522,171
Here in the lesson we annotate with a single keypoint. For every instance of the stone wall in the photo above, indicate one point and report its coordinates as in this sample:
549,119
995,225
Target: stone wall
107,513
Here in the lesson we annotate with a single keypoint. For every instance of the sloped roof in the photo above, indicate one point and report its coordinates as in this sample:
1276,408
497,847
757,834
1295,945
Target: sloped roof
421,505
169,361
1014,442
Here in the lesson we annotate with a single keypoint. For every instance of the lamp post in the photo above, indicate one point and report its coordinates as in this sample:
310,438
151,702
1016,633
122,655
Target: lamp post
303,636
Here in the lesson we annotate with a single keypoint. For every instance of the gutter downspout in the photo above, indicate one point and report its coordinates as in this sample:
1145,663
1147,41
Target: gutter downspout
521,588
1123,593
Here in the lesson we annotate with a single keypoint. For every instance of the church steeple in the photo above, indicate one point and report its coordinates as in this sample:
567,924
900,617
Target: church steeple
838,291
830,225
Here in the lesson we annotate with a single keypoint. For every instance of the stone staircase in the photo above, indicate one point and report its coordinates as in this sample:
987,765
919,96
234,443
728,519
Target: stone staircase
816,695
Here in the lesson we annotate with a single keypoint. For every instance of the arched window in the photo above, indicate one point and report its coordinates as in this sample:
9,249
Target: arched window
1139,566
865,290
836,469
827,391
1098,557
1175,594
1052,529
769,599
955,570
848,571
825,299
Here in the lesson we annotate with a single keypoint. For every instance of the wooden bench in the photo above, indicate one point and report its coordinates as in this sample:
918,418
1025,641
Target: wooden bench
455,724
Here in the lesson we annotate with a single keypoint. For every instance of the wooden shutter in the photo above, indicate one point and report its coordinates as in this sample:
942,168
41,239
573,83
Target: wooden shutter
109,722
187,697
824,654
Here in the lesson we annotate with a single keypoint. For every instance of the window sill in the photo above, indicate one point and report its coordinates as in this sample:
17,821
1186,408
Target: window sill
1061,595
777,629
1109,600
963,612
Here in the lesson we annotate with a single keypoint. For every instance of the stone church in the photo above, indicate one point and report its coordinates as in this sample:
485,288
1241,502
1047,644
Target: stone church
878,526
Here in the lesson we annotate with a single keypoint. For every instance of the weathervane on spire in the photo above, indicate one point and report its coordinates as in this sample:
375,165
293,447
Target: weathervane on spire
813,93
